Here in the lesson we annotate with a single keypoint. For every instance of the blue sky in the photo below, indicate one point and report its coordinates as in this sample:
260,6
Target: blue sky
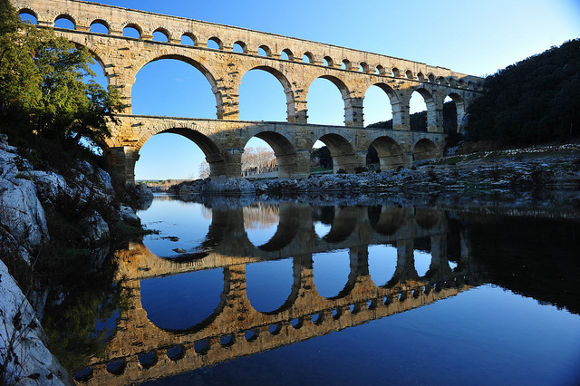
474,37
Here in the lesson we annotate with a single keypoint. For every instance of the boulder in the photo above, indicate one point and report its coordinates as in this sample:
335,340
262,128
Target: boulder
95,229
129,216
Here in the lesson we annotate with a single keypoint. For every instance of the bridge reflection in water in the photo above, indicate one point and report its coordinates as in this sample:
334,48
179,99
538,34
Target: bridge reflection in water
141,350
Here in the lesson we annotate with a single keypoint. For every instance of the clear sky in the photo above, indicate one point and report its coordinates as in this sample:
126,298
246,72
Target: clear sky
474,37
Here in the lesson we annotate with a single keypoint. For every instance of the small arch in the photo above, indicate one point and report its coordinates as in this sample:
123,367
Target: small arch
132,31
441,80
65,21
214,43
424,149
431,78
395,72
363,67
240,47
409,74
346,65
420,76
264,50
422,100
161,35
100,26
188,39
452,82
27,15
327,61
286,54
307,57
379,70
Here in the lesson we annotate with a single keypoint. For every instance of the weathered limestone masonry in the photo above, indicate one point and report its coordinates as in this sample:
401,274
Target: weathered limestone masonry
223,140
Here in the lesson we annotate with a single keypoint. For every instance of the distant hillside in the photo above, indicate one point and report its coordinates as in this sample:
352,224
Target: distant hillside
533,101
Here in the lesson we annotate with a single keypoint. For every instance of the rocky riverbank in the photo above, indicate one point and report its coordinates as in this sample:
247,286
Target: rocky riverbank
42,210
542,176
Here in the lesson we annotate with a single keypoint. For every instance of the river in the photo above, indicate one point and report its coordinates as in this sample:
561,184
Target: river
295,293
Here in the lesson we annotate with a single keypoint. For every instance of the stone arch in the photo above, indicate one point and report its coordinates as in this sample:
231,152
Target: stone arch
395,72
460,108
409,74
213,153
424,149
427,218
164,32
285,232
217,41
345,64
103,23
386,220
28,11
135,26
308,55
190,36
243,46
431,78
343,224
221,303
288,53
327,61
433,121
394,101
266,49
363,67
379,70
292,296
66,16
283,149
342,152
420,76
390,153
291,107
208,75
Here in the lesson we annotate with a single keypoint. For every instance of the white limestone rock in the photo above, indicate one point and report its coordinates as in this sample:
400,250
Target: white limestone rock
32,362
95,229
128,215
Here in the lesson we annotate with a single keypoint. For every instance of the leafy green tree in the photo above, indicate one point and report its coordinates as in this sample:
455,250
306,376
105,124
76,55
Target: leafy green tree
44,90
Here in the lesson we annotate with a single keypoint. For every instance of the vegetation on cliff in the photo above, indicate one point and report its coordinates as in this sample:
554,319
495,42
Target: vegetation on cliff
49,100
533,101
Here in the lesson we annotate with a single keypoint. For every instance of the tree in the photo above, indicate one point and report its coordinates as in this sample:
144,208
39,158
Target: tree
43,87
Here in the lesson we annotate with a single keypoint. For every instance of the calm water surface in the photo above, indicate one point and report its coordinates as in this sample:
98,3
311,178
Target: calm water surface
294,294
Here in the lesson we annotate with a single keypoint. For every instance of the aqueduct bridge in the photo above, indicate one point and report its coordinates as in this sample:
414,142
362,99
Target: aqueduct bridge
296,63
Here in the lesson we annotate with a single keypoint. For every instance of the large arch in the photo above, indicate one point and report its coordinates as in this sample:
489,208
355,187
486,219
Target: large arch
325,95
185,313
372,101
424,149
389,153
272,286
460,111
344,158
212,152
284,151
290,106
198,66
432,121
